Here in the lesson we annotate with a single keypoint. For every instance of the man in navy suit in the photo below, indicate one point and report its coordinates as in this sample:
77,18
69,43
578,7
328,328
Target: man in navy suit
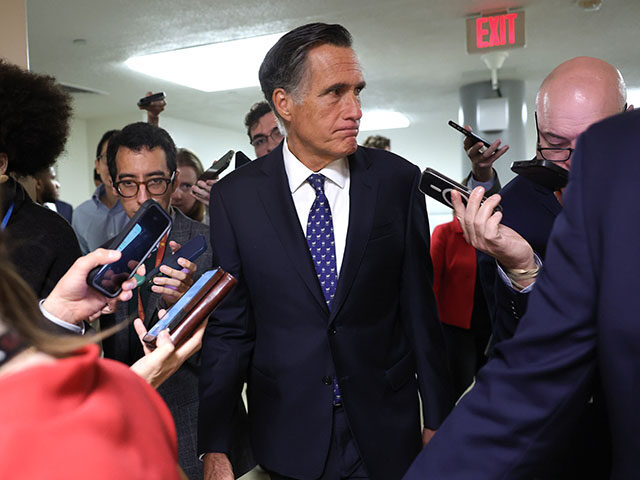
576,94
582,321
333,322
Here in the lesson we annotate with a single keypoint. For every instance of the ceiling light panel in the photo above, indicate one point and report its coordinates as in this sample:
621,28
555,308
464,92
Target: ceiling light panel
210,68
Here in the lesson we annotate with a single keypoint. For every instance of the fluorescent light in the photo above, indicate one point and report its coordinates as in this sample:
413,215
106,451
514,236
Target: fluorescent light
382,120
210,68
633,97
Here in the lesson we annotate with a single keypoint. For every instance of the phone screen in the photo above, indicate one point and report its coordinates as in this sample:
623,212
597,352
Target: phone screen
176,313
135,247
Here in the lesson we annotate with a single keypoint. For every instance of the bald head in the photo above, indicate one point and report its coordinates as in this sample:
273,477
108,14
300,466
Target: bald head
576,94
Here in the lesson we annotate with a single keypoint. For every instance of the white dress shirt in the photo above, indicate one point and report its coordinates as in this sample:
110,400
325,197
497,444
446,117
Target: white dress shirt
336,189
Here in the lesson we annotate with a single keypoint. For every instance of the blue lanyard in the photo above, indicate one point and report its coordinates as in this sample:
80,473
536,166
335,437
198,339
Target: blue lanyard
7,216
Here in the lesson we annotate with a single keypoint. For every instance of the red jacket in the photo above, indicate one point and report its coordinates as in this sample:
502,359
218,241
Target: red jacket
84,417
454,272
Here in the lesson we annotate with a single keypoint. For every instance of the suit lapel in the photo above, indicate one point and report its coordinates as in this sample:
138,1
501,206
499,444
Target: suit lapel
278,204
362,207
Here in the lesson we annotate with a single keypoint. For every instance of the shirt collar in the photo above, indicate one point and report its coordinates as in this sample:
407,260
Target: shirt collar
297,173
100,189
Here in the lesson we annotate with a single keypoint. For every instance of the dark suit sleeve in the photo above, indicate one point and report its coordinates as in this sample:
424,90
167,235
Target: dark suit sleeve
420,315
494,189
227,344
528,397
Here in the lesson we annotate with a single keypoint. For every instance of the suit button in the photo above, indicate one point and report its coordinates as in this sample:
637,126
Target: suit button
327,380
332,331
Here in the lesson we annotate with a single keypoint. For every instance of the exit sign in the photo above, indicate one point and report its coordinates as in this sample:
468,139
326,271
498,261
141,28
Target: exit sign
501,31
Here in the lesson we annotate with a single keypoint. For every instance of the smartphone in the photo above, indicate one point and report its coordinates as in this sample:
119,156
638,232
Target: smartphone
473,136
137,240
543,172
182,307
439,187
155,97
217,167
241,159
190,250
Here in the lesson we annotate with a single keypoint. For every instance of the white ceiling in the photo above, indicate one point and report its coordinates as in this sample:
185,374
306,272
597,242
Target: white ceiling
413,51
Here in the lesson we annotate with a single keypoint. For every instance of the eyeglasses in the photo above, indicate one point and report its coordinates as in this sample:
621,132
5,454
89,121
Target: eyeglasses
155,186
551,154
261,140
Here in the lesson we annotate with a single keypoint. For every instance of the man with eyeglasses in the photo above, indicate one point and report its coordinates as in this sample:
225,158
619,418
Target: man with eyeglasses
262,128
576,94
142,165
264,136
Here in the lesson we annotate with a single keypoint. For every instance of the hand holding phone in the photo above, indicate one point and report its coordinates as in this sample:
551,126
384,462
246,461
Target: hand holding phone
468,134
72,300
190,250
439,187
481,153
217,167
154,97
194,307
137,240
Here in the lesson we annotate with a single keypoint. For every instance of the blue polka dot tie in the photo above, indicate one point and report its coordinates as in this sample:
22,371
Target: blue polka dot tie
320,239
323,250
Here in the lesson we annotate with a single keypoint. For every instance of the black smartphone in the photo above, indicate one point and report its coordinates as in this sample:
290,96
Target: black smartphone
190,250
542,172
137,240
439,187
241,159
473,136
217,167
151,98
184,305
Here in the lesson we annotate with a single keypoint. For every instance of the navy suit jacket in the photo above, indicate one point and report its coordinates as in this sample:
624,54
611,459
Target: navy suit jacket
582,319
275,330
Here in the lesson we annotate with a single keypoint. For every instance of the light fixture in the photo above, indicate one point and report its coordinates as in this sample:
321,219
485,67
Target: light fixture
210,68
382,120
633,97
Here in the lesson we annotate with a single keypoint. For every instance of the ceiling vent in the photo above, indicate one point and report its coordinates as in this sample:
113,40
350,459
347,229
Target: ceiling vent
73,89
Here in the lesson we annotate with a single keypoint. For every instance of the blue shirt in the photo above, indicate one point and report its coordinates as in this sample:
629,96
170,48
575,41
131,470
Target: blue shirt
95,223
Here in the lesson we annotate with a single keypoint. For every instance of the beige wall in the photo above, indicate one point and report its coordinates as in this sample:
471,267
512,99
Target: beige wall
13,32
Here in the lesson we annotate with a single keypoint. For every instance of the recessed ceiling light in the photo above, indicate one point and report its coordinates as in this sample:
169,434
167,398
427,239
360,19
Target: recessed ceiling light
210,68
382,120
